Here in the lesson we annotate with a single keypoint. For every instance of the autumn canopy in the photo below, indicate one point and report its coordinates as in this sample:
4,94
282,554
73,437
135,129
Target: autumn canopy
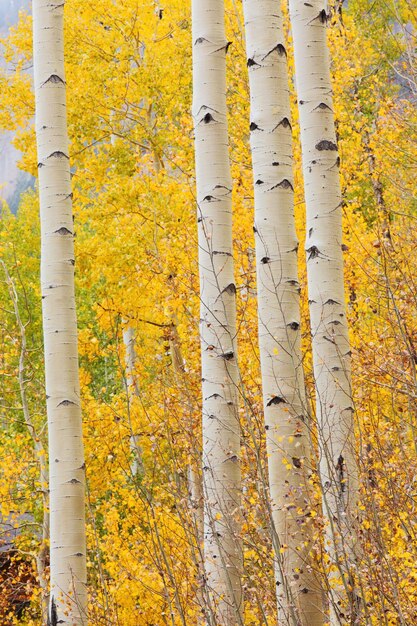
208,313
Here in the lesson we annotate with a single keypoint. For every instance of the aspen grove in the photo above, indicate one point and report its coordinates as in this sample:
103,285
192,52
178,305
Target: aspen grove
202,421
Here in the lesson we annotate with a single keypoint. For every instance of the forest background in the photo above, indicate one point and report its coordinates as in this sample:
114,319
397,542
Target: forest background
128,69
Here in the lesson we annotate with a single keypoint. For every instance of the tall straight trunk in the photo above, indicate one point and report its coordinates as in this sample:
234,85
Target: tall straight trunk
132,391
330,340
132,387
221,433
286,410
68,597
194,474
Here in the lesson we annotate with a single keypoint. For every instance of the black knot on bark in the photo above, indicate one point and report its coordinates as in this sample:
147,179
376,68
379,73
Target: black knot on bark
340,467
323,106
63,231
54,78
313,252
326,145
280,49
208,118
285,184
58,155
294,325
251,62
265,260
230,289
209,199
259,182
66,403
275,400
296,462
285,122
228,356
331,301
323,16
254,126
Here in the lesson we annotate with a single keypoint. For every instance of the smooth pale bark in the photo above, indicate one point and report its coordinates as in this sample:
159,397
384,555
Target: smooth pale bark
196,503
221,432
68,598
132,387
194,474
132,390
330,340
286,411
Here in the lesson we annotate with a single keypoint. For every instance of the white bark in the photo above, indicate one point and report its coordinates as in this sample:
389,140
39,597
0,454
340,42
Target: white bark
221,433
331,350
66,457
196,503
132,390
132,387
285,406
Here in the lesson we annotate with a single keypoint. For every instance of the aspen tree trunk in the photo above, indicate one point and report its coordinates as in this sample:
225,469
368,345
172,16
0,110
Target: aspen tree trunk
221,432
68,597
132,390
132,387
330,340
196,503
194,477
285,406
